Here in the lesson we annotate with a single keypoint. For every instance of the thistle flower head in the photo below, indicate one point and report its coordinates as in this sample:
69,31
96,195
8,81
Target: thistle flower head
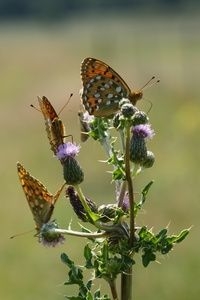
67,150
143,131
48,237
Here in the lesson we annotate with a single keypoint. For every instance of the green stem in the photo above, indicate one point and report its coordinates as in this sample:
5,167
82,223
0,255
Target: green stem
113,289
126,285
130,187
126,278
78,233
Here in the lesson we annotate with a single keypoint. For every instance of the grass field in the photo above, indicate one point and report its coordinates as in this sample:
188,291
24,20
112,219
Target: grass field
45,59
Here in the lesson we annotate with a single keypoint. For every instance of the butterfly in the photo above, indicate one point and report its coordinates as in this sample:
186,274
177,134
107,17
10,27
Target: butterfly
54,125
103,88
40,201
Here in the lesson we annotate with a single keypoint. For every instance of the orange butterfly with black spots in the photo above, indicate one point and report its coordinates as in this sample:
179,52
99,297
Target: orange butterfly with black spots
103,88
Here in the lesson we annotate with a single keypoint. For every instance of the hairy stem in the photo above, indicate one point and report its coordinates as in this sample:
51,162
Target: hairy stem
113,289
130,187
126,278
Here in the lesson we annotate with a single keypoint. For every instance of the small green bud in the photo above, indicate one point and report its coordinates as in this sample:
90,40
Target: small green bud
107,212
149,161
123,101
73,173
128,110
140,118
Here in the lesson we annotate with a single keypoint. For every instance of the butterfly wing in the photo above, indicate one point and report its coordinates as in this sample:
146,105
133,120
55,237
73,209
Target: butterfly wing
103,88
54,126
40,201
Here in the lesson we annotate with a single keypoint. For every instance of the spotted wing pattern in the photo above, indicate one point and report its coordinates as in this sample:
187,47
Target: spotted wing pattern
40,201
54,126
103,88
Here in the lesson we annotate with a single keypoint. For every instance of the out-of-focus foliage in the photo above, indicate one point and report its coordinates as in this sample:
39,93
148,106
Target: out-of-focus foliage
51,9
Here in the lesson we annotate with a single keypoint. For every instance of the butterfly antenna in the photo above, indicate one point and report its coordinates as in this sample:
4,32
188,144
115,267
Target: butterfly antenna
148,83
70,96
33,106
151,105
22,233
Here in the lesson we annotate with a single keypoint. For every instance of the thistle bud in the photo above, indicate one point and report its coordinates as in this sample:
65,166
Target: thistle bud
149,161
140,118
128,110
77,205
73,173
138,149
107,212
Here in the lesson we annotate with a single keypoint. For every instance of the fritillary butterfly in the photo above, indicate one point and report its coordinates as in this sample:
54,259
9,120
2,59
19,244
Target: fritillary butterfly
103,88
40,201
54,126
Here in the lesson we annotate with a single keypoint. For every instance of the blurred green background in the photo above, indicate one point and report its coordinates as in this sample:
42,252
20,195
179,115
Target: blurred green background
40,54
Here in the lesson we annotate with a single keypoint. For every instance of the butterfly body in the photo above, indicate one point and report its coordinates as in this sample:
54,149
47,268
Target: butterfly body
40,201
103,88
54,126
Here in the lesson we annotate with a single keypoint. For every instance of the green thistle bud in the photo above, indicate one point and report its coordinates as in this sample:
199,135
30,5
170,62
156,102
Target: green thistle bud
107,212
140,118
72,171
123,101
149,161
127,110
138,150
77,205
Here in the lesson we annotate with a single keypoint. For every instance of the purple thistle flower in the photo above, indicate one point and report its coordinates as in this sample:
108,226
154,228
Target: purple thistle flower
48,238
143,131
67,150
58,240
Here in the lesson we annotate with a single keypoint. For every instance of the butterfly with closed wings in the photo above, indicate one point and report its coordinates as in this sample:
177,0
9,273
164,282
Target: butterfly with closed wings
54,126
103,88
40,201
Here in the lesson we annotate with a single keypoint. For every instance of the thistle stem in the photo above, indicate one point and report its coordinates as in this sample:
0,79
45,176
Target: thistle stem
112,284
78,233
126,278
130,187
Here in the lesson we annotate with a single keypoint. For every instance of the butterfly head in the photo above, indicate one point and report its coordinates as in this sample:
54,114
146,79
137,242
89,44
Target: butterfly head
135,96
